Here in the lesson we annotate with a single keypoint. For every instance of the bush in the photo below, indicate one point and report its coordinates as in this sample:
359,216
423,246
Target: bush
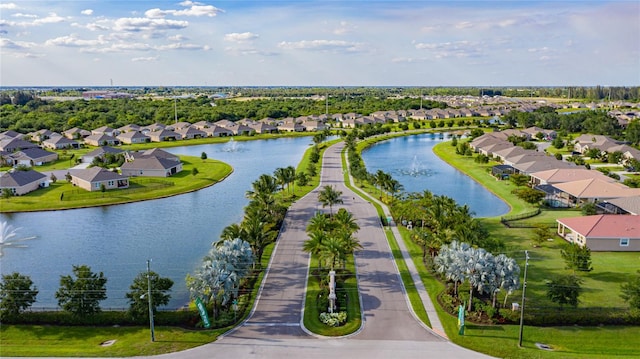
333,319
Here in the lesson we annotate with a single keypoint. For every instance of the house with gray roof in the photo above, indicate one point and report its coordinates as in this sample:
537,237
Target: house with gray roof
94,178
131,137
99,152
154,152
32,157
164,135
189,133
15,144
105,130
23,182
101,140
151,167
59,143
76,133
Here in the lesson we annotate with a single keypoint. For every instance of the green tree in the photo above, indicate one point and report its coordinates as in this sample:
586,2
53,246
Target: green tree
194,171
589,209
329,196
82,295
519,179
540,234
139,289
7,193
631,292
203,156
529,195
17,293
564,289
576,257
557,142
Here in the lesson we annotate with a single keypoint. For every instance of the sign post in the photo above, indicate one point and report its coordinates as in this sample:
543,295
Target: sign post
461,320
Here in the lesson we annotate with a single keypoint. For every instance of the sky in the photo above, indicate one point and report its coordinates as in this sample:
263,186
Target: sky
319,43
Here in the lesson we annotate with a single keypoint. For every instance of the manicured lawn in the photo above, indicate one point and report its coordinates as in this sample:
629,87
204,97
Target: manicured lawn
34,341
210,172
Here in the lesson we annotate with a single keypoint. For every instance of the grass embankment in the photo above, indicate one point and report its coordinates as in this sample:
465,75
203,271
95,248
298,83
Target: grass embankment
63,195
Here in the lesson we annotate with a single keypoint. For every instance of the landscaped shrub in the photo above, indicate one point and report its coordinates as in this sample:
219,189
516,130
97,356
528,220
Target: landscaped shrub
333,319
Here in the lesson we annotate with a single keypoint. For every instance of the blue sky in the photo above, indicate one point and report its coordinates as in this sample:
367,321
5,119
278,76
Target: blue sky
319,43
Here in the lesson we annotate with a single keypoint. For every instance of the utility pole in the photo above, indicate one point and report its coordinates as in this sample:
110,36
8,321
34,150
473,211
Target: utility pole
153,338
524,289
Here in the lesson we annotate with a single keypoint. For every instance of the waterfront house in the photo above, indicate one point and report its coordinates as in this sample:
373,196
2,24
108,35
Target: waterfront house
164,135
94,178
151,167
22,182
131,137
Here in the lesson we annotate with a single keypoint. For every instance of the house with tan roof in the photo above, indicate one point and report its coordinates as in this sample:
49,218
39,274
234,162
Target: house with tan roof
94,178
561,175
129,128
76,133
105,130
164,135
23,182
101,140
593,190
188,133
217,131
541,164
587,141
602,232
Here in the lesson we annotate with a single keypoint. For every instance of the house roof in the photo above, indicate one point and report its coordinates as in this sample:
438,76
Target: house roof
96,174
20,178
561,175
15,143
131,135
32,153
604,225
541,165
60,140
102,150
160,153
150,163
629,204
595,188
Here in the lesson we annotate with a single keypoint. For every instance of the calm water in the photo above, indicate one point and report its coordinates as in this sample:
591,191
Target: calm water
174,232
177,232
411,161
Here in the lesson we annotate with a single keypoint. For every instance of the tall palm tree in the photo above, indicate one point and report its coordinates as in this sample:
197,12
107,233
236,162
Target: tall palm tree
258,233
264,184
328,196
281,177
291,177
315,244
319,222
230,232
345,221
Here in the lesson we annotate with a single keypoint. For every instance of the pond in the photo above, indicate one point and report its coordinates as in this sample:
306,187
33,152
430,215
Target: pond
411,161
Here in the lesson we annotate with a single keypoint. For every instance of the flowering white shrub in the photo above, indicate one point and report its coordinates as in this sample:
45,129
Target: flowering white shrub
333,319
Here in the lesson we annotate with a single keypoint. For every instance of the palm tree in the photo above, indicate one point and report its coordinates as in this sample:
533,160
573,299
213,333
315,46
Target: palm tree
332,251
319,222
328,196
230,232
291,177
315,244
264,184
258,233
281,177
345,221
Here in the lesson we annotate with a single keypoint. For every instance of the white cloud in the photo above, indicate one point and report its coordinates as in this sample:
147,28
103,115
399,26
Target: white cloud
322,45
73,41
8,6
181,46
30,16
193,10
145,24
236,51
464,25
87,12
457,49
177,38
145,59
344,28
15,45
52,18
240,37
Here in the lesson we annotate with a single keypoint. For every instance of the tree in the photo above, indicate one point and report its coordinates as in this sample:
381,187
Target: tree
328,196
82,295
7,193
203,156
564,289
519,179
540,234
194,171
529,195
53,178
17,293
577,257
139,303
631,292
557,142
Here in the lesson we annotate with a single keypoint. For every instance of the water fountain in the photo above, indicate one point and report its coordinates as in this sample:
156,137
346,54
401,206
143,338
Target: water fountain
231,146
416,168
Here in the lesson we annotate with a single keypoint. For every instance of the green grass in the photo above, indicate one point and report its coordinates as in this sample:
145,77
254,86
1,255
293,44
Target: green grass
210,172
34,341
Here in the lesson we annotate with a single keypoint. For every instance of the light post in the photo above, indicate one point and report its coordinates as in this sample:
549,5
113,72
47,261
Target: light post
153,338
524,288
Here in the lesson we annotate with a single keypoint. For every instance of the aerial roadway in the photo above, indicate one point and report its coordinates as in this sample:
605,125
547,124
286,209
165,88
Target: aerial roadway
274,328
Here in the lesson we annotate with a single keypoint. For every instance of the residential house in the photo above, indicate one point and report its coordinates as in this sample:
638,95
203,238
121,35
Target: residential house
217,131
587,141
164,135
562,175
623,205
291,126
15,144
59,143
540,164
105,130
189,133
32,157
312,125
129,128
41,135
95,178
151,166
99,152
76,133
152,128
154,152
22,182
101,140
11,134
178,126
201,125
602,232
131,137
592,191
262,127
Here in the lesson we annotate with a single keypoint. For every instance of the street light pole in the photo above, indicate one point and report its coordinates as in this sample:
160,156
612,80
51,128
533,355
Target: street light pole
153,338
524,288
